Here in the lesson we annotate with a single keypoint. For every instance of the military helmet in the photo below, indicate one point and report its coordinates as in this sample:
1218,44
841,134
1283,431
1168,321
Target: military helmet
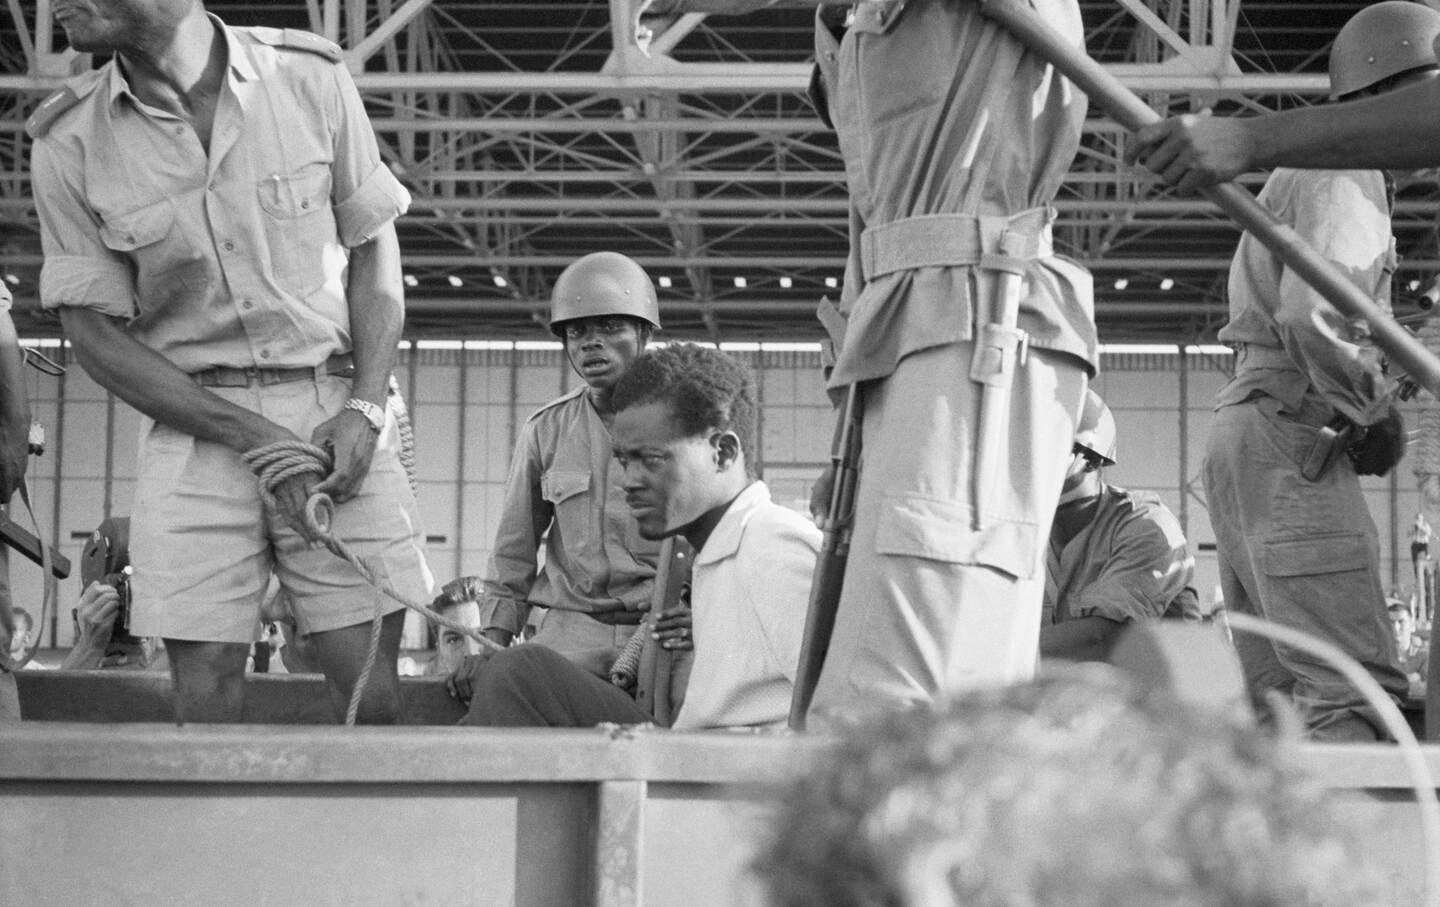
1381,41
1095,433
603,283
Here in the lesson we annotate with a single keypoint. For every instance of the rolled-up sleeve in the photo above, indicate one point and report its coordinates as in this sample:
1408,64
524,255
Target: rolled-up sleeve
365,195
80,271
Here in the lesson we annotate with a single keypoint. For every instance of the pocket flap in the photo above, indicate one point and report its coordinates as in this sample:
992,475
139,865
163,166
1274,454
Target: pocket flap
1314,555
939,530
292,195
138,229
558,484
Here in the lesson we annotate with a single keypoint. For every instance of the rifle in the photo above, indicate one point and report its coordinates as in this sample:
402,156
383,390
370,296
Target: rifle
829,576
13,535
662,673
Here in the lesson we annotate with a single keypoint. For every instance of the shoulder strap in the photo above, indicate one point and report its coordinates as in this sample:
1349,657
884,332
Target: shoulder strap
299,39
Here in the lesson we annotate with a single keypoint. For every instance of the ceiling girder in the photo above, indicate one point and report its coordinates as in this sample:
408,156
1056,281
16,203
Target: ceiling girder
531,133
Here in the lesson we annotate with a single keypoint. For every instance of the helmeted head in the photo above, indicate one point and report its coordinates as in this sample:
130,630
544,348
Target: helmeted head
1380,44
1095,432
600,284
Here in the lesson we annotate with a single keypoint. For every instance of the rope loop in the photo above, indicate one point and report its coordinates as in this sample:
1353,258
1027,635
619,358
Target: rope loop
274,464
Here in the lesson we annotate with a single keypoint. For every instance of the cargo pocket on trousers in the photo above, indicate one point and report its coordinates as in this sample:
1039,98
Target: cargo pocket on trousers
940,530
1316,555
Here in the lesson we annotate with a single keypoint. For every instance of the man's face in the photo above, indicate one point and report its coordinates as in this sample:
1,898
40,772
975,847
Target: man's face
105,25
669,480
1074,487
454,645
1402,624
602,349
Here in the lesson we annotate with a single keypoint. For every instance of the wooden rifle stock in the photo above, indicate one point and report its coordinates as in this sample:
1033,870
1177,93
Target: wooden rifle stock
660,678
13,535
830,564
1028,27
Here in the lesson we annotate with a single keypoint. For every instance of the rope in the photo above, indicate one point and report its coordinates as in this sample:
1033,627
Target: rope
396,402
274,463
626,669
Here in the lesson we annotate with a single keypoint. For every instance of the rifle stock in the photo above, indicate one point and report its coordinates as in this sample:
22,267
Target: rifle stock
829,575
13,535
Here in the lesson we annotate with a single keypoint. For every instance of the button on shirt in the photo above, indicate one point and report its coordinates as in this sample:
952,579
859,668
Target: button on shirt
1344,216
233,258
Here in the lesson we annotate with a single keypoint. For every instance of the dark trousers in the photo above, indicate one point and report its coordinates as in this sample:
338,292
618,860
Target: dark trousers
533,686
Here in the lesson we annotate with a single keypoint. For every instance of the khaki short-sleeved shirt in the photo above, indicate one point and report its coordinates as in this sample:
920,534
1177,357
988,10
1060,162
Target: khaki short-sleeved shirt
1344,215
236,257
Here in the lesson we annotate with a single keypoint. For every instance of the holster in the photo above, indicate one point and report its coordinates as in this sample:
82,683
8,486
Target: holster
1330,440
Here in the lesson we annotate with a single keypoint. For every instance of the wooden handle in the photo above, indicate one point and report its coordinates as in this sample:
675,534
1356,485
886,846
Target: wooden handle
1131,112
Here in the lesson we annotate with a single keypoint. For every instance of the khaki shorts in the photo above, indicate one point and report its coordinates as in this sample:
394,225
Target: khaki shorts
203,549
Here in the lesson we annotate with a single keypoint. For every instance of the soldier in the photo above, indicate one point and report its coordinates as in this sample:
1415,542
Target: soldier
1115,556
219,240
563,487
971,339
1309,410
1193,152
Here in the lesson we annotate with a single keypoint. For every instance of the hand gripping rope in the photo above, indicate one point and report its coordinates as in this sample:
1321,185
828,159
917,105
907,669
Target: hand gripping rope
275,463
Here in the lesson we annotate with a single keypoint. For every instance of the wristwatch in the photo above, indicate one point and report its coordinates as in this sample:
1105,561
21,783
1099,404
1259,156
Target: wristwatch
372,413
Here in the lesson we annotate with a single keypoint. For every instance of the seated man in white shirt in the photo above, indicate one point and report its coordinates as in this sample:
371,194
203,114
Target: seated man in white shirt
684,435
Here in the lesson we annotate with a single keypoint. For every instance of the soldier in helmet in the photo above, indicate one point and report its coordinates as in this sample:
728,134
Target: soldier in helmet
1309,410
1193,152
564,487
1115,555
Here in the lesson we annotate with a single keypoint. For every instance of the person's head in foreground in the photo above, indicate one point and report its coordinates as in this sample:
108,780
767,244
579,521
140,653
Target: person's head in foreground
1076,790
684,434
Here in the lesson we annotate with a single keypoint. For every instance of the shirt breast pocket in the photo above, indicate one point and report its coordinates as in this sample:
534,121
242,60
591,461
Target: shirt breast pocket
299,226
560,486
166,263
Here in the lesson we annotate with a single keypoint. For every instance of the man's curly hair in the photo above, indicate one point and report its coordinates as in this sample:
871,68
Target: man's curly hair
706,390
1076,789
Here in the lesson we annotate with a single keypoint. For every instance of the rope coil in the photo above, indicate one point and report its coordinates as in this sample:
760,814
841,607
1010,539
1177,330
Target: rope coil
274,464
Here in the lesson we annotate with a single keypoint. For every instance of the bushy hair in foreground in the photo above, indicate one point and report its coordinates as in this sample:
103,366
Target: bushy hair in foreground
1075,789
705,388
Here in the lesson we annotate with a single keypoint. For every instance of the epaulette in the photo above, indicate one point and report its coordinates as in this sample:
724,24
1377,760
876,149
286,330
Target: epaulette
563,398
299,39
50,110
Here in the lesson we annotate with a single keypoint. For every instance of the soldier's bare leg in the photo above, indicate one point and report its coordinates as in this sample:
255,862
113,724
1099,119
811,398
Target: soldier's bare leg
342,657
